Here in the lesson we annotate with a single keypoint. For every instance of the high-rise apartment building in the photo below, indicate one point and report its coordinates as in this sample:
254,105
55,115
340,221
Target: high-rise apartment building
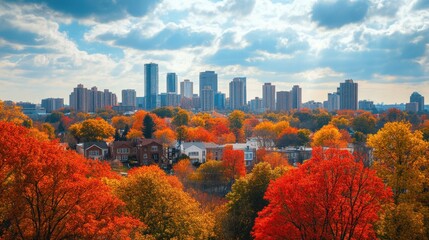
151,86
348,92
219,101
296,97
85,100
333,103
207,79
269,97
171,83
207,99
237,93
256,106
129,97
187,89
284,101
52,104
419,99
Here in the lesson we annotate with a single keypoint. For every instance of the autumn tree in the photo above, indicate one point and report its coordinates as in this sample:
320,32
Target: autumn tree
365,123
159,201
92,130
166,136
50,193
245,200
210,177
328,136
183,170
330,196
265,133
275,159
236,119
13,113
148,126
401,160
233,162
181,119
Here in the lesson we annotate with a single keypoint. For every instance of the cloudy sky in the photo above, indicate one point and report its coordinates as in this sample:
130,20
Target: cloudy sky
47,47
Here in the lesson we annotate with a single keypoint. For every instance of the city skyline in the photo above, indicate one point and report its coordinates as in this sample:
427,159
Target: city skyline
50,48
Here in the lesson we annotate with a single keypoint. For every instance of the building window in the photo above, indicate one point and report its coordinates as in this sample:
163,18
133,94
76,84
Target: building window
193,154
93,153
248,156
123,150
154,148
145,156
124,157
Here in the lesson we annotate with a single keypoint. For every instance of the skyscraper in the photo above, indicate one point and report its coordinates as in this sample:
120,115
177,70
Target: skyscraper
171,83
151,85
296,97
333,103
237,93
207,99
284,101
187,89
419,99
207,79
129,97
348,92
219,101
79,99
269,97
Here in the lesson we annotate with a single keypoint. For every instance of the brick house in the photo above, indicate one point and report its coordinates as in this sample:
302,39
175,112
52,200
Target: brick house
93,150
150,151
123,151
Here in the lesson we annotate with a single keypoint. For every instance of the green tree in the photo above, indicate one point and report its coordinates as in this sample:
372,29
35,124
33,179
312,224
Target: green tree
246,199
181,119
148,126
236,119
164,112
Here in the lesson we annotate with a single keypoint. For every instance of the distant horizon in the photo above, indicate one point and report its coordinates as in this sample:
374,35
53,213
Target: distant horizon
49,47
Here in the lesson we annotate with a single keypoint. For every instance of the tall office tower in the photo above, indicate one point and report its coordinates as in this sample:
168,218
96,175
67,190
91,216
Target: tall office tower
333,103
269,97
187,89
419,99
207,99
296,97
284,101
110,99
171,83
243,80
196,101
219,101
348,92
237,93
208,78
129,97
79,99
151,85
256,106
52,104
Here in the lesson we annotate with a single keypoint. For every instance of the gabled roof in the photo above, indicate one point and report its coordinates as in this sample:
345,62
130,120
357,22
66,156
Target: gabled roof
201,145
101,145
144,141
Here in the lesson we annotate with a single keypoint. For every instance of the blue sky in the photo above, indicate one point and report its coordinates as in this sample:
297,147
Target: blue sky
47,47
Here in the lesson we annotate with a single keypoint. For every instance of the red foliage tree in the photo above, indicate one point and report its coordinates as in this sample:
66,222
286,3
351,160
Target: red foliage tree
49,193
328,197
233,161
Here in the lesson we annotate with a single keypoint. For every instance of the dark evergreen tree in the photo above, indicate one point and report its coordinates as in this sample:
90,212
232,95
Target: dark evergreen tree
148,126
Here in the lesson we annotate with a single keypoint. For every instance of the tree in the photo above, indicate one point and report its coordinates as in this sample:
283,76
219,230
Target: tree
166,136
121,122
183,170
233,162
236,119
50,193
401,160
265,133
328,136
181,133
13,113
148,126
181,119
159,201
365,123
245,200
328,197
92,130
210,177
163,112
276,159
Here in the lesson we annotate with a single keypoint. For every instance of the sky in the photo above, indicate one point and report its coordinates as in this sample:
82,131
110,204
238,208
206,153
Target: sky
47,47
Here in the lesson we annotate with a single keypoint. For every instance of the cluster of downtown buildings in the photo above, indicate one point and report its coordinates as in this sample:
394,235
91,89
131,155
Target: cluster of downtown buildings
209,98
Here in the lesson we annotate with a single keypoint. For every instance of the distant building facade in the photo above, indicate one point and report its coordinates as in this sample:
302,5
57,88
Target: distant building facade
186,89
419,99
348,92
151,86
207,99
333,103
52,104
129,97
85,100
296,97
284,101
171,83
237,93
268,97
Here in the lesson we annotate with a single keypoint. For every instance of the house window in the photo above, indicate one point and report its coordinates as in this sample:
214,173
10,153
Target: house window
248,156
145,156
123,150
93,153
154,148
155,156
193,154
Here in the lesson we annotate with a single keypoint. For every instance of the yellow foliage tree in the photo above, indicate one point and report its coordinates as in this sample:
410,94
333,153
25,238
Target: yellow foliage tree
13,113
166,136
266,133
328,136
92,130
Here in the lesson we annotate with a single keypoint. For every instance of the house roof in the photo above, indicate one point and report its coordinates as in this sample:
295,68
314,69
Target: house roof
144,141
201,145
102,145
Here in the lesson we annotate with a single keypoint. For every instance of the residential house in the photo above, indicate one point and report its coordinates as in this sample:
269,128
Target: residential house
124,150
200,152
93,150
150,151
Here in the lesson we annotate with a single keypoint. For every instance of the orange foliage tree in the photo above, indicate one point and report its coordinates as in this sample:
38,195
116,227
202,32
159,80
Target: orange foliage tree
47,192
328,197
275,159
199,134
233,161
328,136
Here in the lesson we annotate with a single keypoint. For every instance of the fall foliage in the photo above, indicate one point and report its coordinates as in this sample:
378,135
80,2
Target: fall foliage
92,130
328,197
